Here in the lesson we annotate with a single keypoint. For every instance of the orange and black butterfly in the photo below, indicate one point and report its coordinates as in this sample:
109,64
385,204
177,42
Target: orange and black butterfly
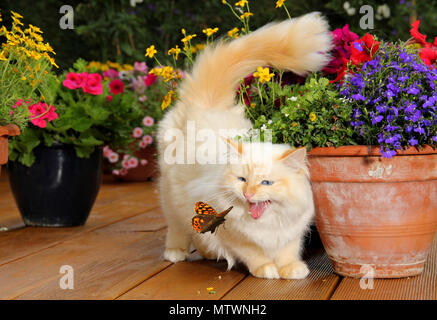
206,218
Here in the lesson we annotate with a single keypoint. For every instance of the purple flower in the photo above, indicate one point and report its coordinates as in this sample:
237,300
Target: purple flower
358,96
413,90
377,119
419,130
413,142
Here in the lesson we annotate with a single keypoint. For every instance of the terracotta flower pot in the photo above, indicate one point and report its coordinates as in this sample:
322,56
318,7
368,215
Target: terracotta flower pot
5,132
373,213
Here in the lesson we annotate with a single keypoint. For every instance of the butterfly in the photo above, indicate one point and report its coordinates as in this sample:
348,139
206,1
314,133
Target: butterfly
206,218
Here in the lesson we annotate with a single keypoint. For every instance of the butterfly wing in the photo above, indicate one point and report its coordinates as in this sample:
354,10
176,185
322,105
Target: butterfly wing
204,208
206,218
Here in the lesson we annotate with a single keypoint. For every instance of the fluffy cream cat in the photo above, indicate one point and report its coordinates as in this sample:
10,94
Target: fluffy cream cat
269,190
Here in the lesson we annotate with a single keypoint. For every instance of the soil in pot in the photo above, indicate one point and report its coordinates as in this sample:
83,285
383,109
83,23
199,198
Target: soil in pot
59,189
373,213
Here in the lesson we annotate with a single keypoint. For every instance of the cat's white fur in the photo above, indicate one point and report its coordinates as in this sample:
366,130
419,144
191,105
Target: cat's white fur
270,245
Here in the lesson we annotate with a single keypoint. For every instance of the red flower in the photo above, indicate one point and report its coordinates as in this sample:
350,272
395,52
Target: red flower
414,31
428,56
428,53
74,80
116,86
93,84
150,79
363,49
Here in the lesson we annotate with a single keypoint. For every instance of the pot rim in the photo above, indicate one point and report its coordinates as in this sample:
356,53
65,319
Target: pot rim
360,150
9,130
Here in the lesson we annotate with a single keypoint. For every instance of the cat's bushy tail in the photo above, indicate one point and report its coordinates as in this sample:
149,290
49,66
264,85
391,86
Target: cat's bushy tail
300,45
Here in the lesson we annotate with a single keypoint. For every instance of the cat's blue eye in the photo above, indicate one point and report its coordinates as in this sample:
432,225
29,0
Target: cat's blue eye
242,179
267,182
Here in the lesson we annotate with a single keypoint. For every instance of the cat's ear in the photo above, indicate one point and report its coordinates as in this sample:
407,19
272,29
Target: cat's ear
235,145
294,157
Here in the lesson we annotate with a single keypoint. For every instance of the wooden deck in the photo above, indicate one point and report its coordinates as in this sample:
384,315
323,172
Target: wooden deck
118,255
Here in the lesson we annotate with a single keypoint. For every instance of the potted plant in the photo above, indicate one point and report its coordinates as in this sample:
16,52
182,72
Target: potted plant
55,167
25,64
373,163
138,162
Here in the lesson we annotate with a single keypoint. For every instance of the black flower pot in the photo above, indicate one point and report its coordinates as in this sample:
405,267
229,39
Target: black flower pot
59,189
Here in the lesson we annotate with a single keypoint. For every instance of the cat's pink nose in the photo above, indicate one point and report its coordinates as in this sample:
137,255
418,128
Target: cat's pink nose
248,196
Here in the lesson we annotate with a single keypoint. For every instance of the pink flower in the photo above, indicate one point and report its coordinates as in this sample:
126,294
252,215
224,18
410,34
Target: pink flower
150,79
342,39
147,139
142,98
11,112
115,172
75,80
123,171
116,86
106,151
141,67
142,144
138,85
148,121
113,157
144,162
40,112
110,73
93,84
137,133
133,162
109,97
125,164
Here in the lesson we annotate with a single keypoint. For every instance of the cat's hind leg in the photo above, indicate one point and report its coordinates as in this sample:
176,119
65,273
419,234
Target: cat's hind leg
177,244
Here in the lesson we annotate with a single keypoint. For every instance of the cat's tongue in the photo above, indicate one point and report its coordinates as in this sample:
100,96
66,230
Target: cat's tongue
257,208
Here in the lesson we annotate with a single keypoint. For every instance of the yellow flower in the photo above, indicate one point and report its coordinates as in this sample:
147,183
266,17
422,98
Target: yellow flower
23,78
313,116
16,15
188,38
174,51
35,29
200,46
156,71
167,73
294,124
252,105
279,3
167,100
241,3
263,74
183,31
150,51
246,15
17,21
233,33
2,56
127,67
209,32
224,1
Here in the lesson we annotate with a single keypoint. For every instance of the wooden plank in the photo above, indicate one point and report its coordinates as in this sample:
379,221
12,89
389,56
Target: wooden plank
319,284
422,287
106,262
20,243
188,280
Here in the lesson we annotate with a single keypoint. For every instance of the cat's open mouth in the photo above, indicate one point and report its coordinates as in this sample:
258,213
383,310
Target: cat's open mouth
257,208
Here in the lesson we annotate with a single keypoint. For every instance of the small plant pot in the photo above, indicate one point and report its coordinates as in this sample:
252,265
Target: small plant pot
59,189
373,214
6,132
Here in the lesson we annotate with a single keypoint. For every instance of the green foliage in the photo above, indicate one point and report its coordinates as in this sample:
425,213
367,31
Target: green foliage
310,115
85,121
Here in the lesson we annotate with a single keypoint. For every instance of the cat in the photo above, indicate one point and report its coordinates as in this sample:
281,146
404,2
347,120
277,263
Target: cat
270,190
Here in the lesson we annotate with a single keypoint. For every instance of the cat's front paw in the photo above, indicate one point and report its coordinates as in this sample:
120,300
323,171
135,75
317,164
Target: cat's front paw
295,270
267,271
175,254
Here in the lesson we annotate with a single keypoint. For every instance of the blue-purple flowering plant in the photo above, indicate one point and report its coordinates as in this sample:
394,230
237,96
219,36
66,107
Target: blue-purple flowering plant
394,100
